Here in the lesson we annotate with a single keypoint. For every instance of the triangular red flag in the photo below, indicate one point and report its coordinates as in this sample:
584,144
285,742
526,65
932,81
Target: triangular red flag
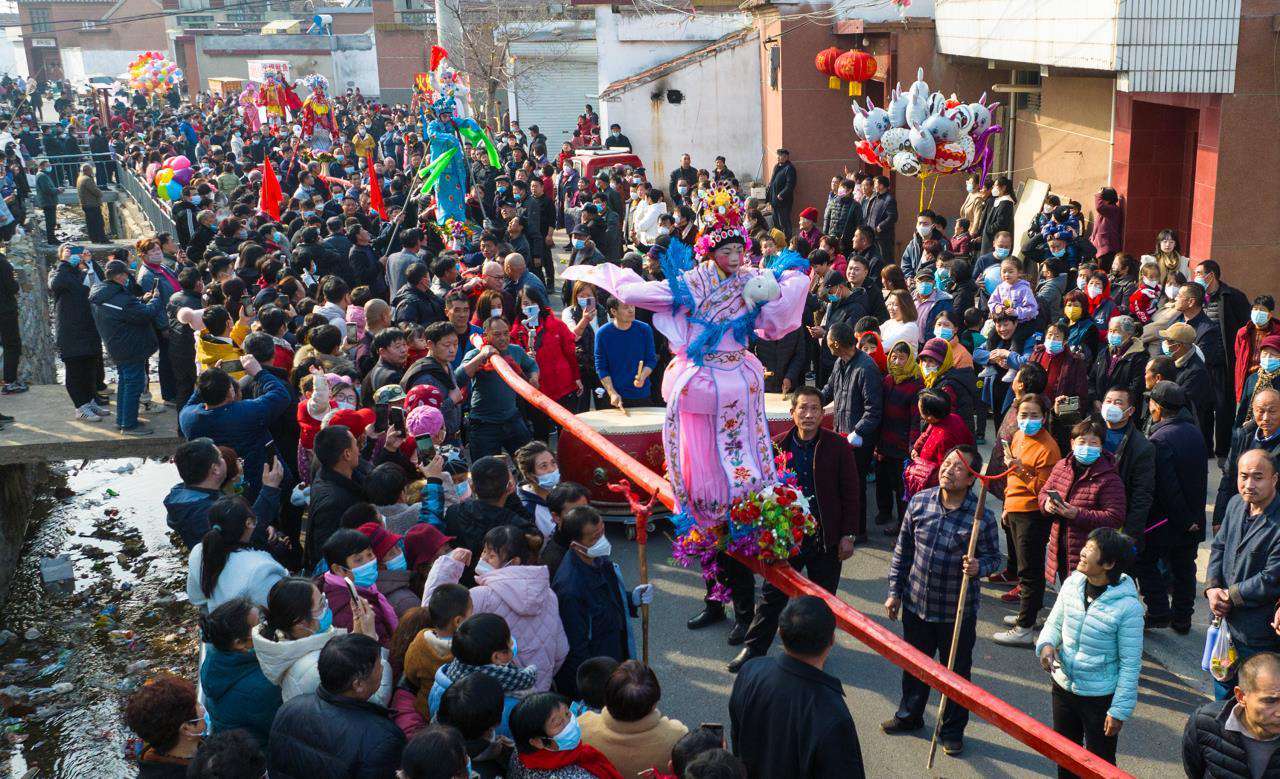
437,53
375,190
270,198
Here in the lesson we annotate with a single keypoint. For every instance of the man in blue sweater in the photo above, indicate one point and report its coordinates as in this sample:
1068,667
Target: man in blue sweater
625,356
217,411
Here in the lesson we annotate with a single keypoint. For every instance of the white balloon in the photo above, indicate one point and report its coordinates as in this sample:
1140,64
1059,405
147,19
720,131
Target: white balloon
906,163
894,140
877,123
923,143
898,107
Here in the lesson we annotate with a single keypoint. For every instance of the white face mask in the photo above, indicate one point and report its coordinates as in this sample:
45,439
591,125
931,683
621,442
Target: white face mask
600,548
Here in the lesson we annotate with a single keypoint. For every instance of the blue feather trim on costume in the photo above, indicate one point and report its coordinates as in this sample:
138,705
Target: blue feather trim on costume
682,522
785,260
676,260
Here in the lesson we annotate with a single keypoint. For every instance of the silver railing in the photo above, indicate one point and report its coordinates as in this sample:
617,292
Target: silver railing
156,212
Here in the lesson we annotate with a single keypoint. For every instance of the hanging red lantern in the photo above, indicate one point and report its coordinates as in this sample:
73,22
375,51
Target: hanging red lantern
825,62
855,67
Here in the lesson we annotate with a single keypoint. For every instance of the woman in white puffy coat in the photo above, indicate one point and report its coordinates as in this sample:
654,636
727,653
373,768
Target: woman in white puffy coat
298,625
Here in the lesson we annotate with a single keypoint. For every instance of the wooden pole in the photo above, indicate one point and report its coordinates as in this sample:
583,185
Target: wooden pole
960,608
642,538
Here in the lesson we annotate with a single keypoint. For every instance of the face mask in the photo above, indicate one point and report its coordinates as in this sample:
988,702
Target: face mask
365,575
1059,254
517,197
1164,347
832,297
566,171
1150,283
461,489
924,231
1081,281
483,568
942,277
1171,291
578,243
664,231
1000,253
495,312
1085,454
548,480
397,563
600,548
569,738
1259,318
1072,312
326,620
945,333
925,288
515,648
502,190
1112,413
584,302
1269,364
1095,291
308,214
1030,426
928,369
1053,347
1114,340
196,200
682,190
531,311
968,186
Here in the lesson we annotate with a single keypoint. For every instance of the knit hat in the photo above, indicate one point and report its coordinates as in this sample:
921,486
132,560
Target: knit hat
424,421
423,395
381,539
935,349
1180,332
810,213
423,543
356,419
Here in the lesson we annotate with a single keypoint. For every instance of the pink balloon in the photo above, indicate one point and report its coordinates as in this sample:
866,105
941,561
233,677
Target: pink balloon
179,162
183,176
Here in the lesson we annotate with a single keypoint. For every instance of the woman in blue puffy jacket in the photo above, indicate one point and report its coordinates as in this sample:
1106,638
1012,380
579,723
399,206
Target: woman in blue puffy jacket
1092,645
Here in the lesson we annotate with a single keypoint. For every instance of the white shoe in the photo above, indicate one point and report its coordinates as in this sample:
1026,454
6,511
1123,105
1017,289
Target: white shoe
148,407
1012,619
1016,636
99,410
87,414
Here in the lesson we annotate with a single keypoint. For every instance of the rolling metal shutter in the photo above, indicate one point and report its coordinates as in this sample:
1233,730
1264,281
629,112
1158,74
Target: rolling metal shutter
551,94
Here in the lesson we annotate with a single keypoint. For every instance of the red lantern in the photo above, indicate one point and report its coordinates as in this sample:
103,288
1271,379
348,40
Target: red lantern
825,62
855,67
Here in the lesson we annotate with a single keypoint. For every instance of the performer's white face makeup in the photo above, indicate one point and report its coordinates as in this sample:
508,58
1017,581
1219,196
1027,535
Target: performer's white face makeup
729,257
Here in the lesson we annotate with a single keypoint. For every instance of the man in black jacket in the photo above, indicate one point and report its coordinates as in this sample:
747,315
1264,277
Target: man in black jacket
494,504
415,301
1193,375
842,215
128,328
182,339
392,348
684,177
334,489
616,139
844,304
1261,432
787,717
880,213
1228,309
855,392
1237,737
782,191
337,730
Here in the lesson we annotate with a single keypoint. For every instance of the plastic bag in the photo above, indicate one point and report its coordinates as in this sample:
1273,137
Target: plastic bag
1222,661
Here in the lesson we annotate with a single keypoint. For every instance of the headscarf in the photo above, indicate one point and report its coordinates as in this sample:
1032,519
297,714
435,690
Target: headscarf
908,370
878,356
948,362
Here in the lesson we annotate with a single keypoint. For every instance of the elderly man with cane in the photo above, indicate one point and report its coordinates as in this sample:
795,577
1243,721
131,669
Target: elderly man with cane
935,552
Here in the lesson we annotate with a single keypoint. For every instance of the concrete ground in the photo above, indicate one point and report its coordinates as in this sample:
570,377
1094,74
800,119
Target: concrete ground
45,429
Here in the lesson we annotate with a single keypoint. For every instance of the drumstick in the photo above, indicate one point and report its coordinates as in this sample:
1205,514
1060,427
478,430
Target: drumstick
639,371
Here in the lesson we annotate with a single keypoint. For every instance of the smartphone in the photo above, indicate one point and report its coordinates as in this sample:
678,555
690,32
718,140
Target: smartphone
1054,494
426,449
382,414
396,416
270,453
246,305
714,727
232,366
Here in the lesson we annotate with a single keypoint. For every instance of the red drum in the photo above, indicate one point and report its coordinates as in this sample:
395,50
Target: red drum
639,434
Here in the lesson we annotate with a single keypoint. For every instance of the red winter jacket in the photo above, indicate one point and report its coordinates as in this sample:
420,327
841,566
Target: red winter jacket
931,448
1246,349
1099,494
553,350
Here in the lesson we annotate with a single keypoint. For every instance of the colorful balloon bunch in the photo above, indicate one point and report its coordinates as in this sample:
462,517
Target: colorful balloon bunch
171,178
922,133
150,72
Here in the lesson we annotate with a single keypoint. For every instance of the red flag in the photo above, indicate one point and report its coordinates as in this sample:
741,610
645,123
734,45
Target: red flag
437,53
375,190
270,198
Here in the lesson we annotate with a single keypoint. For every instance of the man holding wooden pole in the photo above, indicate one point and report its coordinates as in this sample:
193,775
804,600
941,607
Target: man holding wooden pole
933,555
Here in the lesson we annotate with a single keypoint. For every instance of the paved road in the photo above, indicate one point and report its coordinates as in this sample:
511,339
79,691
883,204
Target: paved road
696,685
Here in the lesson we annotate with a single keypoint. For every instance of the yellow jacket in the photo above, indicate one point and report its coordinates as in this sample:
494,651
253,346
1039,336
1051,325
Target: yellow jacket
210,351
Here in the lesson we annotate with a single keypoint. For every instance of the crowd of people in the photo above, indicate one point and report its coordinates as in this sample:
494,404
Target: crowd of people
394,578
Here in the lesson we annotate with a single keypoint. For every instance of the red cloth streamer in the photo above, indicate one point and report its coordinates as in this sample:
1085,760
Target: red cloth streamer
881,640
375,190
271,197
437,54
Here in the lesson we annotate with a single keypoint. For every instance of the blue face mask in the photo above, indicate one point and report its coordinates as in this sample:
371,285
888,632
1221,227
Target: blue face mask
578,243
569,738
1053,347
515,648
1164,347
1059,254
365,575
1086,454
1259,317
1030,426
548,480
196,199
397,563
326,620
1114,340
1269,364
832,297
530,311
925,288
1000,253
942,277
945,333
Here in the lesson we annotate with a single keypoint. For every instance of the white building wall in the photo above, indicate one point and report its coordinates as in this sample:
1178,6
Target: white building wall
13,62
79,64
874,13
717,116
629,43
1152,45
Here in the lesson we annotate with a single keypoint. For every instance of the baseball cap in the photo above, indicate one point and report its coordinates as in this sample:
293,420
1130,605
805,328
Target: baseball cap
115,267
389,393
834,278
1180,332
1169,395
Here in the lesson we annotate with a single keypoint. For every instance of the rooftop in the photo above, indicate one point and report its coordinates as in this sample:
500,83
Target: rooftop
656,72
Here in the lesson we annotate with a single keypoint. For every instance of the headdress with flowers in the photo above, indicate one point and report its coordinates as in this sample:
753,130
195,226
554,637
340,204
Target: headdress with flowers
721,213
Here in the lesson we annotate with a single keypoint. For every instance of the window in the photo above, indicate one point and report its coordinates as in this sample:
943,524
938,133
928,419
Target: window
40,20
193,5
1027,101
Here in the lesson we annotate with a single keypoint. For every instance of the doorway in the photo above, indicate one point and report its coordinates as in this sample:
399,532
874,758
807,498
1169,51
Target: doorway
1162,169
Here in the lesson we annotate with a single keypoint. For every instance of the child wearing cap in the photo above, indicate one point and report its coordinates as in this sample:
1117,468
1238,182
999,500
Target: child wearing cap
393,567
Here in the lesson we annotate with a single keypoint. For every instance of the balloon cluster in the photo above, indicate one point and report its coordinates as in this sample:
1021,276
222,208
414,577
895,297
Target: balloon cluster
922,133
150,72
171,178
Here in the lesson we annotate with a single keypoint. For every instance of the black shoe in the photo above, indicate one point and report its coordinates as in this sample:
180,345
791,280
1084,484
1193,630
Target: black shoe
746,654
709,615
952,746
1155,623
738,634
899,725
102,400
1181,628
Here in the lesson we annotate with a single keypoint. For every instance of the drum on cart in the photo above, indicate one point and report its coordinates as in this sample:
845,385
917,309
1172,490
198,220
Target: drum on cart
639,434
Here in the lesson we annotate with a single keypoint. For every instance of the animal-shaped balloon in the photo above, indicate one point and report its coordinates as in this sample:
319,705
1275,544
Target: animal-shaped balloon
960,113
917,108
877,122
906,163
921,141
898,107
981,114
894,140
919,87
760,289
942,129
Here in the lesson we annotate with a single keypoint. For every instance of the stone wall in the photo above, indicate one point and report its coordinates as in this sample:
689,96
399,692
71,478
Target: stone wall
39,356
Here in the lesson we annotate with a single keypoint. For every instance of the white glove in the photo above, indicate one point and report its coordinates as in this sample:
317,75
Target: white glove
762,288
642,595
854,439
